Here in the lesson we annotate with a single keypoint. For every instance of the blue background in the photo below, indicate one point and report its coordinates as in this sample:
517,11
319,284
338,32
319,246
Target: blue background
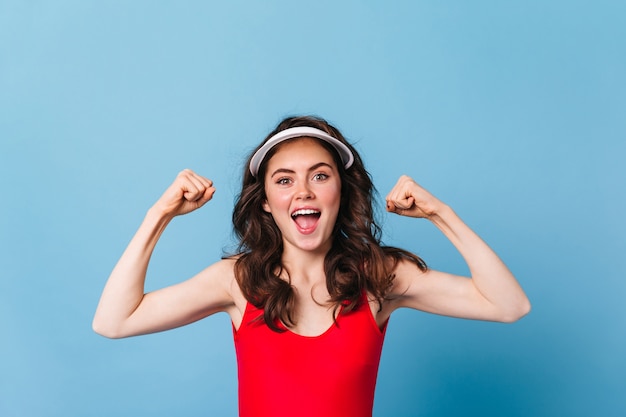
511,112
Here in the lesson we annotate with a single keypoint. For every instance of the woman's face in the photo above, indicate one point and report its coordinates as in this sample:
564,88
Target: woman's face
303,191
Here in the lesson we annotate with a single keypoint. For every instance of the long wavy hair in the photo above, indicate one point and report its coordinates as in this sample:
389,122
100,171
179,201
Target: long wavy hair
356,262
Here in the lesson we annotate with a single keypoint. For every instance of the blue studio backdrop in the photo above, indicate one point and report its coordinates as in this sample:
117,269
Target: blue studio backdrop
510,112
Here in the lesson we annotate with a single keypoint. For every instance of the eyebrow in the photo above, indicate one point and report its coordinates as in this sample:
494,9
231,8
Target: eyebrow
291,171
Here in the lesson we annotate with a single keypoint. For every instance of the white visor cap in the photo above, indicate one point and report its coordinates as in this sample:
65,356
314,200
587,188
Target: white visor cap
297,132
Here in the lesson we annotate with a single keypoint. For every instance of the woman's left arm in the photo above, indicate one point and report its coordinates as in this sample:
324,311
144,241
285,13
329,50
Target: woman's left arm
492,293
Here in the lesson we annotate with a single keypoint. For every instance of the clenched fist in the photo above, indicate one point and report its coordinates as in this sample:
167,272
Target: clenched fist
408,198
188,192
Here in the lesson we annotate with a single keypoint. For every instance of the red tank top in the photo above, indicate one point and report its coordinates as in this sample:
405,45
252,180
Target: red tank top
286,374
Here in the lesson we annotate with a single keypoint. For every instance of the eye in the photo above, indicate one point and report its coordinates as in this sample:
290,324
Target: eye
320,176
283,181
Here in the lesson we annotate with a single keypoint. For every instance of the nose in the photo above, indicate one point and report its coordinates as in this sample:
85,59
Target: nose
304,191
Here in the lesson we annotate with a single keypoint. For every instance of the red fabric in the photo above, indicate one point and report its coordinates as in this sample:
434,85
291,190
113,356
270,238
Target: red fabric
285,374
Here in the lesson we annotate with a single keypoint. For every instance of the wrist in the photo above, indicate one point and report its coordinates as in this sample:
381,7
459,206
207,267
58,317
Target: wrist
441,213
158,216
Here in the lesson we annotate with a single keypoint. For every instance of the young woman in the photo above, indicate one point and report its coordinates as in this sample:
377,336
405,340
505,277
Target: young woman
311,289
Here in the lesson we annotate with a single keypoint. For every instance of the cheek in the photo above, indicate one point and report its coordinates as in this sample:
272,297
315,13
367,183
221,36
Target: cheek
276,201
333,195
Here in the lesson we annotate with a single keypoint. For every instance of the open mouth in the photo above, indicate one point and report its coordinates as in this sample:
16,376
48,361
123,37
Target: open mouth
306,219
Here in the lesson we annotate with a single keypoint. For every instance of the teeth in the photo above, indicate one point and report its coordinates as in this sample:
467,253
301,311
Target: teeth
303,212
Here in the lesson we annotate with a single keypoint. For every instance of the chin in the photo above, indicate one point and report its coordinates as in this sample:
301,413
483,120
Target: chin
311,245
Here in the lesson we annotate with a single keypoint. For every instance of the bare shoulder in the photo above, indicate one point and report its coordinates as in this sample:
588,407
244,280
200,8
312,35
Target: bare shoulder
407,279
222,270
222,274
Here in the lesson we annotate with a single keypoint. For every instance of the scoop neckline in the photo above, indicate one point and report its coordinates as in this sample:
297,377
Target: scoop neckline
325,332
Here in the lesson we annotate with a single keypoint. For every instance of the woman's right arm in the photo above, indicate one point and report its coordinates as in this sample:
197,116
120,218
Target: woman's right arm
124,310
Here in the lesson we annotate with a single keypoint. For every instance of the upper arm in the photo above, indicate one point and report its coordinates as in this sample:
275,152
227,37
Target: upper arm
439,293
209,292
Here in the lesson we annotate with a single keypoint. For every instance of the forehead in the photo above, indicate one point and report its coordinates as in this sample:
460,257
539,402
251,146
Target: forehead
301,151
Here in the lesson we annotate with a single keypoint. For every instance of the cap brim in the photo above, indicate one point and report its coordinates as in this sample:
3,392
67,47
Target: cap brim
297,132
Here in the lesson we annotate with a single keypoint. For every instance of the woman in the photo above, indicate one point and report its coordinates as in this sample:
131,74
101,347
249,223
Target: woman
311,289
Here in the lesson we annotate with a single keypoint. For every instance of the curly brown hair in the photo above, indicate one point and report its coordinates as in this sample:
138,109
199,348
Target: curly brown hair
356,262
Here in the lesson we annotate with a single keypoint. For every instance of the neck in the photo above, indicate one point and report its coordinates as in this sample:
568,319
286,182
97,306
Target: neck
305,268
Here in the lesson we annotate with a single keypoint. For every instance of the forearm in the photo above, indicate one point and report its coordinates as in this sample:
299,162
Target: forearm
124,289
490,276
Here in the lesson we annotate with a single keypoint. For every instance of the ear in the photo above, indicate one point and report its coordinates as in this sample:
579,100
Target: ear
266,206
